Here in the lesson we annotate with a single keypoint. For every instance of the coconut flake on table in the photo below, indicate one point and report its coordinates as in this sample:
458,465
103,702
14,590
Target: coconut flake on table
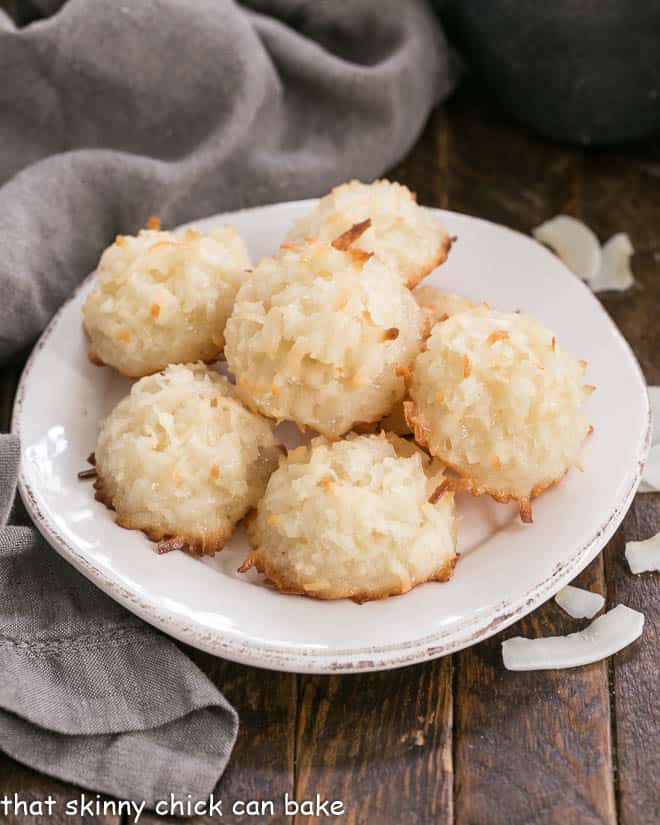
644,556
573,242
651,476
606,635
579,603
614,273
603,268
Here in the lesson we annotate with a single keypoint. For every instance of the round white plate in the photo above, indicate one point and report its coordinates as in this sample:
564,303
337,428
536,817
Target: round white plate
507,568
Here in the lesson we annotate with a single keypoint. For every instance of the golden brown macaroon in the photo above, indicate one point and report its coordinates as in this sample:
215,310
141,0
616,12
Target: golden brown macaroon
406,236
358,518
181,459
495,398
318,335
163,298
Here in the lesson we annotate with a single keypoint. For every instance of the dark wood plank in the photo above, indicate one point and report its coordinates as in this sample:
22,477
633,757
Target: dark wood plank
33,787
262,764
381,743
620,194
635,673
537,743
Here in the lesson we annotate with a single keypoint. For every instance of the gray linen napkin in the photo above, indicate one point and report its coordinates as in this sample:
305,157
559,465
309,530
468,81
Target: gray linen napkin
110,113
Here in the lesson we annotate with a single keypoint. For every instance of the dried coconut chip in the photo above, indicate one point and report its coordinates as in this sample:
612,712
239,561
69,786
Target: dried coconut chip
573,242
579,603
614,272
605,636
651,477
644,556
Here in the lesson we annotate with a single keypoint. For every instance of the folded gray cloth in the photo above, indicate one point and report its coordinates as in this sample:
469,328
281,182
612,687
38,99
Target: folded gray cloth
109,113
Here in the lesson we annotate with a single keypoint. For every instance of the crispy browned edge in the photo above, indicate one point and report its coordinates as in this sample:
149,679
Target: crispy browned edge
253,559
193,545
465,483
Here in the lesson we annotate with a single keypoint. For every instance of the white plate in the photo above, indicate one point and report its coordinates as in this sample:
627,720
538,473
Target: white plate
507,568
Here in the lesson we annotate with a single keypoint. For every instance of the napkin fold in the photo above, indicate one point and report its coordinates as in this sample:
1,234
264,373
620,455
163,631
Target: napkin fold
111,112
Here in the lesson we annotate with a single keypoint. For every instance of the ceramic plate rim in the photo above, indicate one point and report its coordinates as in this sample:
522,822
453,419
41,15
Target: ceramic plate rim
373,658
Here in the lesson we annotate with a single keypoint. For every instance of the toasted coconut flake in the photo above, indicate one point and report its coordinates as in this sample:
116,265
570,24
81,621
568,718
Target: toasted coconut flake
343,241
606,635
614,272
644,556
85,474
360,256
500,335
525,508
573,242
579,603
651,477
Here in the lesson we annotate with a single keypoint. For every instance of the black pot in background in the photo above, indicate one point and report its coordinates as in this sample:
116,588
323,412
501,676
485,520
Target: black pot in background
584,71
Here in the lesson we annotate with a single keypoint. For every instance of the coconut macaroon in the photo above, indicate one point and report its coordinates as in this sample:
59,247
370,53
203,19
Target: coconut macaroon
322,335
163,298
495,397
404,235
437,305
181,459
360,518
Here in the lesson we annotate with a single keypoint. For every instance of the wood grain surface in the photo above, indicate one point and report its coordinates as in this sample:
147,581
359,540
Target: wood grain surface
460,740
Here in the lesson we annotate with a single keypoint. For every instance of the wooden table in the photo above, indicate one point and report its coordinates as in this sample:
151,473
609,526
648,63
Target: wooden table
460,740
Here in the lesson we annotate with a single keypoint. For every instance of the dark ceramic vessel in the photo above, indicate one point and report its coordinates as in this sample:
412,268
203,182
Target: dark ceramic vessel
584,71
